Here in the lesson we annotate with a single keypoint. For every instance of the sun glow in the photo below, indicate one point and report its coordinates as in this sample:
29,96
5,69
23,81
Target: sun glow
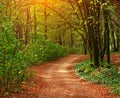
80,1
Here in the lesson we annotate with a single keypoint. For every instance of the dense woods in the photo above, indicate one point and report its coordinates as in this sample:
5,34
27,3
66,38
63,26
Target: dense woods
34,31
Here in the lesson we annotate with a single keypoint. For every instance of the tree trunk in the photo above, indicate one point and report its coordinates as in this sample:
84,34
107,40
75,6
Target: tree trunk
45,21
72,39
107,36
35,19
27,26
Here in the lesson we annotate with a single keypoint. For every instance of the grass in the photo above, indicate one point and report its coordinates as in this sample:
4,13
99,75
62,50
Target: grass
103,75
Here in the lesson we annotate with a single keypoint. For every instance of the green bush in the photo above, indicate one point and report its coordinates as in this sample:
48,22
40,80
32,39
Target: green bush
40,50
70,50
34,51
53,50
84,66
104,75
12,65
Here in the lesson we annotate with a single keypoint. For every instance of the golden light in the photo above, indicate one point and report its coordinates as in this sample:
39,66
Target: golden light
80,1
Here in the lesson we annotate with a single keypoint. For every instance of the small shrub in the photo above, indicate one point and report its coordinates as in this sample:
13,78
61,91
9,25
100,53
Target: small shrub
84,66
105,65
53,50
34,52
115,89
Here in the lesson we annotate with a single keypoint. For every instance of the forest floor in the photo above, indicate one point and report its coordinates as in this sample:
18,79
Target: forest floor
56,79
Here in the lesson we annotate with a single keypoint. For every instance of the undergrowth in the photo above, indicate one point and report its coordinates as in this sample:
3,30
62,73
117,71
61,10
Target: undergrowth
12,63
40,50
105,75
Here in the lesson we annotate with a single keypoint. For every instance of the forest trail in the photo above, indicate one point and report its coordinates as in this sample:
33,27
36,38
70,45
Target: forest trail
56,79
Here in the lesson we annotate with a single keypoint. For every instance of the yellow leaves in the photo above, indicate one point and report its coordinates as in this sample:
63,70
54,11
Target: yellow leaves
36,55
19,72
80,1
91,2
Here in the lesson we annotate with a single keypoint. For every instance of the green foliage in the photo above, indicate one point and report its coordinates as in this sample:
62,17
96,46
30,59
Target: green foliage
53,51
84,66
105,65
34,51
70,50
12,65
40,50
104,75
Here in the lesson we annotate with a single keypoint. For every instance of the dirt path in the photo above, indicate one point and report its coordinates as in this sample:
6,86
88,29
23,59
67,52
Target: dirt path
56,79
115,58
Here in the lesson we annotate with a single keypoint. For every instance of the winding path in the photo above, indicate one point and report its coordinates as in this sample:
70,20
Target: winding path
56,79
